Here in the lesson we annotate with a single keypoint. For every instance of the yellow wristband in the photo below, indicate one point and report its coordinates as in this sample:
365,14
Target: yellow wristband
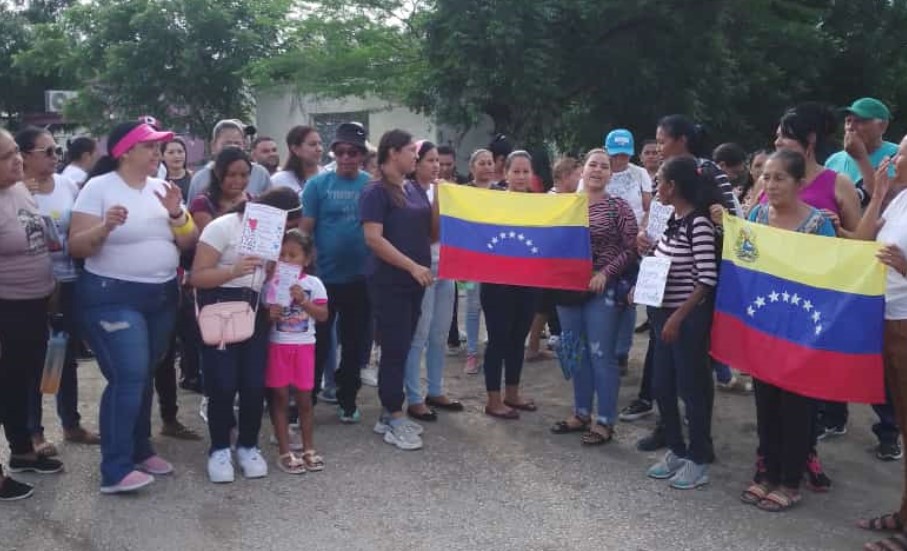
185,229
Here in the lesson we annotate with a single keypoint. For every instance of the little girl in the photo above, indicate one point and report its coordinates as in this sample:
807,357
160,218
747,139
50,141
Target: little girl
291,352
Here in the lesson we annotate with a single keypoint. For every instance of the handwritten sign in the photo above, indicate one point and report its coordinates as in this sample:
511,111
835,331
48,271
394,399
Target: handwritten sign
285,276
263,227
658,220
650,285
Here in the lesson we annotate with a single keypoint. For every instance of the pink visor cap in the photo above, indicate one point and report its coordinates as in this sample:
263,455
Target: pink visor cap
140,134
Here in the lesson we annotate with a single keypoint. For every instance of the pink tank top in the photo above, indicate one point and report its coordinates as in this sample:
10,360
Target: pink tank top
819,194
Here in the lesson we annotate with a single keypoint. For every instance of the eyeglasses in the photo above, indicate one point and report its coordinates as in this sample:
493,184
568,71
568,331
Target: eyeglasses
49,151
350,152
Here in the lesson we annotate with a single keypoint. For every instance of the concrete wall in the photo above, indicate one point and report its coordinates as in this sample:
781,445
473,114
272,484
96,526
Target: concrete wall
280,109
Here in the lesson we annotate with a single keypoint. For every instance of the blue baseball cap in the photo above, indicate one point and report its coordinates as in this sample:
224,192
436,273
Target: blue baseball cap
619,142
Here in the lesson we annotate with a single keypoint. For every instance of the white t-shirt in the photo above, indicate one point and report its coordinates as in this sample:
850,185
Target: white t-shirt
894,232
629,185
295,326
56,208
223,234
285,178
75,174
143,249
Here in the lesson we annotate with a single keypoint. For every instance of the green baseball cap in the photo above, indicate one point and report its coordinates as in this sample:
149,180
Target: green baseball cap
869,108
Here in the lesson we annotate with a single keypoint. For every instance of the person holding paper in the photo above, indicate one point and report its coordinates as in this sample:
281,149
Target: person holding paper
682,325
130,229
595,324
221,272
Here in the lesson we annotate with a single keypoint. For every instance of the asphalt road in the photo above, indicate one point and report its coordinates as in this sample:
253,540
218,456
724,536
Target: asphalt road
478,484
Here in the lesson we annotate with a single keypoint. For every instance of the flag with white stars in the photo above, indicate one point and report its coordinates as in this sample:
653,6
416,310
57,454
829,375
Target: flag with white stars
803,312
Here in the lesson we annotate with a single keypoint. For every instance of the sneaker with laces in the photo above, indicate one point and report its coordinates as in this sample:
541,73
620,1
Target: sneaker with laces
403,435
220,467
833,432
889,451
690,476
369,376
349,418
472,365
666,468
13,490
251,463
382,425
40,465
130,483
816,479
155,465
637,410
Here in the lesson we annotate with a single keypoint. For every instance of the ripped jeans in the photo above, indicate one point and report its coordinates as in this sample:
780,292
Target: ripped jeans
129,326
598,320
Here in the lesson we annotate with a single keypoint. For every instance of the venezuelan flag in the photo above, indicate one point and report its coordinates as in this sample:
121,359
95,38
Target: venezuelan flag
802,312
529,239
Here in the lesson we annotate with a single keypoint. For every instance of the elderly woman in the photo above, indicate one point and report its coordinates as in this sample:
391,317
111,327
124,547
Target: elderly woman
26,282
129,228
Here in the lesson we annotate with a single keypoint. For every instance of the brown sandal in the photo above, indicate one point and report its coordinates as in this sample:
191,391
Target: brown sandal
598,434
890,522
778,501
755,493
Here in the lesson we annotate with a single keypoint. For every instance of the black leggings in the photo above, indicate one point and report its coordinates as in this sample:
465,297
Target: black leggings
785,421
508,316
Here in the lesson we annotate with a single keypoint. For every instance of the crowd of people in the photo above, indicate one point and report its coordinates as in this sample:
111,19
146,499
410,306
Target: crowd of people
125,252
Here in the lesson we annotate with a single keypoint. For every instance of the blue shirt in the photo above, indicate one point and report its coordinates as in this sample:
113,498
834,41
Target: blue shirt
842,163
340,248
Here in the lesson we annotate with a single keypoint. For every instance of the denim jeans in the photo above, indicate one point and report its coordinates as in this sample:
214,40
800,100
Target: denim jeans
625,332
128,325
683,370
397,310
237,369
67,398
473,311
599,322
431,336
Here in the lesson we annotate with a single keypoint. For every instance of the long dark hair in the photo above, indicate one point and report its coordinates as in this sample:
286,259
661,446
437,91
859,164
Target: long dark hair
185,153
27,137
392,140
425,147
690,182
295,137
77,148
107,163
810,118
222,162
678,126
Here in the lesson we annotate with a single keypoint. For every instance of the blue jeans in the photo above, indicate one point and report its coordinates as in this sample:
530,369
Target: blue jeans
625,332
237,369
128,325
434,324
67,398
599,321
473,311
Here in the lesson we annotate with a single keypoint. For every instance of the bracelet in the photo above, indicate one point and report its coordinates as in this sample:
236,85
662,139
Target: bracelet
185,228
179,220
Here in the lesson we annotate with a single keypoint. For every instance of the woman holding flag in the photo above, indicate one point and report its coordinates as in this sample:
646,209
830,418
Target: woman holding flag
596,322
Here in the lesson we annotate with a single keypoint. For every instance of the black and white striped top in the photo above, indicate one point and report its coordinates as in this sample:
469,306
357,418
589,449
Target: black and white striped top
691,263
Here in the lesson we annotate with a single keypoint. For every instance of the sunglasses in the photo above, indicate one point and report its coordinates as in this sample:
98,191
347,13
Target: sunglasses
350,152
49,151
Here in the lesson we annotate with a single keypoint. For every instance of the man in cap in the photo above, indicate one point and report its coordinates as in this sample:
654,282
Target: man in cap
330,203
229,133
865,148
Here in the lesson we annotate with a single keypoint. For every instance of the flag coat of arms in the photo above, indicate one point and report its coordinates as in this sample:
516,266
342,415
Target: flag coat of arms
529,239
802,312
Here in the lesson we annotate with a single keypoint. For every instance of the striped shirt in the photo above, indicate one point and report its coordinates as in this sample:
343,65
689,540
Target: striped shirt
691,263
612,228
724,191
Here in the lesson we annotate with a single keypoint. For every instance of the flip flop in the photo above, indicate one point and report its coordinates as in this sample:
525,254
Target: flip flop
528,405
778,501
511,415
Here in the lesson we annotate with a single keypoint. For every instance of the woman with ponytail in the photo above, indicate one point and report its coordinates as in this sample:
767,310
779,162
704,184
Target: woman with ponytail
400,225
81,154
303,161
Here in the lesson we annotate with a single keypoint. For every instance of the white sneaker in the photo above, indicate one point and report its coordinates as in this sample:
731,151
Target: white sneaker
404,437
220,467
370,376
382,426
251,462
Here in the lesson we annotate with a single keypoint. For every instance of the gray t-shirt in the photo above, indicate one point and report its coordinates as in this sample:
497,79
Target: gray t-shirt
25,267
259,182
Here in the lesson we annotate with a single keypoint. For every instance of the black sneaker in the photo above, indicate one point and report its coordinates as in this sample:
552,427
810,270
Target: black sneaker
889,451
833,432
13,490
654,442
41,465
637,410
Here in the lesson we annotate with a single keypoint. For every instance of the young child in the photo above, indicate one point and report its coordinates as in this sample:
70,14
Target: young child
291,352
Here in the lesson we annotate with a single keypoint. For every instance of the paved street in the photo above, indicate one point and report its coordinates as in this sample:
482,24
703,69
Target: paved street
478,484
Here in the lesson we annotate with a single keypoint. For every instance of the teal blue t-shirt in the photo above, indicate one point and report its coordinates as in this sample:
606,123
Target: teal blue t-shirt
842,163
339,241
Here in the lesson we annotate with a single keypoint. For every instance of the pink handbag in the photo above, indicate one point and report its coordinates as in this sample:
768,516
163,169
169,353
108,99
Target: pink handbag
224,323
